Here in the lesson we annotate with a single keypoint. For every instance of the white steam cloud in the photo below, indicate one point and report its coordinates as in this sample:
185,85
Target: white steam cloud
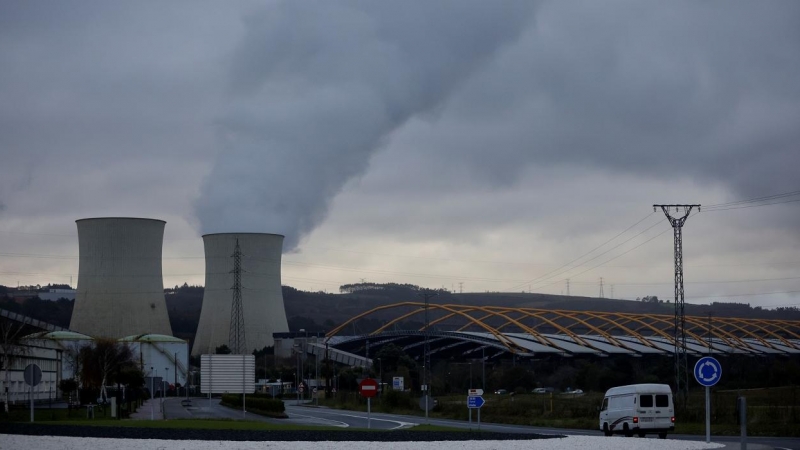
318,87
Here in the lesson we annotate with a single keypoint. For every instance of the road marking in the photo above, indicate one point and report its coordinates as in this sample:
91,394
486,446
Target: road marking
342,424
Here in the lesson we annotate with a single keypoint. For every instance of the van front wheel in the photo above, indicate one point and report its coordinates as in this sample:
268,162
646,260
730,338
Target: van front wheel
626,431
662,435
606,431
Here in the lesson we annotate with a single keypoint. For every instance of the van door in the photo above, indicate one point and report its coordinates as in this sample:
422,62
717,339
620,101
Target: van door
604,413
646,411
663,411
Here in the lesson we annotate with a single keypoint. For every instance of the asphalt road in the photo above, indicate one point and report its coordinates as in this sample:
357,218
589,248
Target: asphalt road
310,415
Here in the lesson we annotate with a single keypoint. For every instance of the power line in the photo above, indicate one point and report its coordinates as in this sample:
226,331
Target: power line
753,200
587,253
609,260
752,206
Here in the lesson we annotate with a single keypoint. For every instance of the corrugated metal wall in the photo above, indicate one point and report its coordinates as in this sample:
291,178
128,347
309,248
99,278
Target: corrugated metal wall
220,374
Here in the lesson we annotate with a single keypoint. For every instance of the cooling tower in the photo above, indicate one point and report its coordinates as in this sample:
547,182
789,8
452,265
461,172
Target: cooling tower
120,288
261,296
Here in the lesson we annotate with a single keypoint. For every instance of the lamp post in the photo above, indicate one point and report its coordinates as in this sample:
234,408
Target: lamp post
297,372
166,382
151,393
380,377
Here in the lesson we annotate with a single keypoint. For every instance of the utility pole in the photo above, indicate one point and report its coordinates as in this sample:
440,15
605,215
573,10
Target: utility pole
460,287
612,291
679,336
601,288
567,286
426,358
236,337
710,344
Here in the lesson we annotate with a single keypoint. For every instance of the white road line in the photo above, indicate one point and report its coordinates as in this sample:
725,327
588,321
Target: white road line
342,424
401,423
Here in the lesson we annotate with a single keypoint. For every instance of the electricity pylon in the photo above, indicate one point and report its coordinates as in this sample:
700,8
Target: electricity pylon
236,336
679,336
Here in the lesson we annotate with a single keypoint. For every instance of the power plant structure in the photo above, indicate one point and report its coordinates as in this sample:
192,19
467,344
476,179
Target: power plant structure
243,301
120,286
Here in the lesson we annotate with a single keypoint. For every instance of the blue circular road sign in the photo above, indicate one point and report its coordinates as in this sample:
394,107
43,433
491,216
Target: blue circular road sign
707,371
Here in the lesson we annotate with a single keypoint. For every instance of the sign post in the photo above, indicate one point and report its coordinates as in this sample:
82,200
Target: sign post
475,401
707,372
368,388
33,376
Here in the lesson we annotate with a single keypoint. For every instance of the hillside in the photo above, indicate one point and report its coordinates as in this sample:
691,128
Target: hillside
317,311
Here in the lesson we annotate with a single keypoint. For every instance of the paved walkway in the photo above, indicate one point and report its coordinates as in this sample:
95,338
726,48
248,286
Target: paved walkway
151,409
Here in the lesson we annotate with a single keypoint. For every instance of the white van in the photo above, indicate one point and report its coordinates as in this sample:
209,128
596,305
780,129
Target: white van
638,408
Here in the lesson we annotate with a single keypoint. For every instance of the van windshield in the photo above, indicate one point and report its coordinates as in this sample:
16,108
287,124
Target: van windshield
605,405
646,401
662,401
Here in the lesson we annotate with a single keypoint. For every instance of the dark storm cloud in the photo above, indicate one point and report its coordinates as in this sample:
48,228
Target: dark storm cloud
317,88
666,90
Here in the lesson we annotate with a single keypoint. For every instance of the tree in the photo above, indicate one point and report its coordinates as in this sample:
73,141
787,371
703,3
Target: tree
222,350
11,334
104,363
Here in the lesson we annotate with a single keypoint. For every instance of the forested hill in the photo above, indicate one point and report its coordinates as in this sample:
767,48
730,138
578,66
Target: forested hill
358,298
318,311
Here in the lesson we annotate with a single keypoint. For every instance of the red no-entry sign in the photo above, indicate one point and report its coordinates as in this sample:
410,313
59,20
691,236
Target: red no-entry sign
368,387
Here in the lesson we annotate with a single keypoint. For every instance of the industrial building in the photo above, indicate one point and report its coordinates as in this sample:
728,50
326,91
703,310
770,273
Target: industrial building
160,356
120,287
260,292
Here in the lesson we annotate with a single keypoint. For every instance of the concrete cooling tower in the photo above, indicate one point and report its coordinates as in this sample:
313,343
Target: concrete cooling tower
120,287
261,296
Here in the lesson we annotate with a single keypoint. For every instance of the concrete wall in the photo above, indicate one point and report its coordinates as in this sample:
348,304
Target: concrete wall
120,287
262,299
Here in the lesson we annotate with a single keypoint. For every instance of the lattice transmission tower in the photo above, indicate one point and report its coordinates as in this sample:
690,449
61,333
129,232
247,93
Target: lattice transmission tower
236,335
681,361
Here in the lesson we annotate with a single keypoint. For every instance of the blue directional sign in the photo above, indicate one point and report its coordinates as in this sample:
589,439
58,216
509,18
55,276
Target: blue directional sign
475,401
707,371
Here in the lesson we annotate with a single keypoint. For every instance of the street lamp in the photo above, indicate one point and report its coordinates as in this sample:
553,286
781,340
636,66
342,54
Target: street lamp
297,373
380,377
166,383
151,393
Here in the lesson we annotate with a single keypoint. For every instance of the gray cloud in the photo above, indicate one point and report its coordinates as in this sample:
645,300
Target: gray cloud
318,87
519,132
672,91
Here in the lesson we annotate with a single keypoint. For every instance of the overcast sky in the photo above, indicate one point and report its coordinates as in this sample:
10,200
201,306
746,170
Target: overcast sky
433,143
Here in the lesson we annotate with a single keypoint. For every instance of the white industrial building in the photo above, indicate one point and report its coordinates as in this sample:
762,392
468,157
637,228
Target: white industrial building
120,286
161,356
45,354
56,352
262,298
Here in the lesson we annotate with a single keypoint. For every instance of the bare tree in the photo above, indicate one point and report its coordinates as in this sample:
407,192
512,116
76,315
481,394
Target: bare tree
11,333
101,362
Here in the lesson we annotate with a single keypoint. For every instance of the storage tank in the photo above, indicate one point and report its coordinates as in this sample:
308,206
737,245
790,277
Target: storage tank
120,287
261,296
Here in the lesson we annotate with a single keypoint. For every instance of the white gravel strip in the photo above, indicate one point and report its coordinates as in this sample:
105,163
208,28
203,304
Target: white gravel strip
572,442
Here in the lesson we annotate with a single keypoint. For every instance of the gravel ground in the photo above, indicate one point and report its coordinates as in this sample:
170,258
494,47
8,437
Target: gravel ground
583,442
58,437
236,435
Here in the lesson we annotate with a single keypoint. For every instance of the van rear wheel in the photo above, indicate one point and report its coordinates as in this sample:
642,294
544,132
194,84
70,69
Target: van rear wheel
626,431
641,434
662,435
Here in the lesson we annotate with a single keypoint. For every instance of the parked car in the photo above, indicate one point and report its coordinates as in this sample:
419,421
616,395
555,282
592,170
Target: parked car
573,392
544,390
501,392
